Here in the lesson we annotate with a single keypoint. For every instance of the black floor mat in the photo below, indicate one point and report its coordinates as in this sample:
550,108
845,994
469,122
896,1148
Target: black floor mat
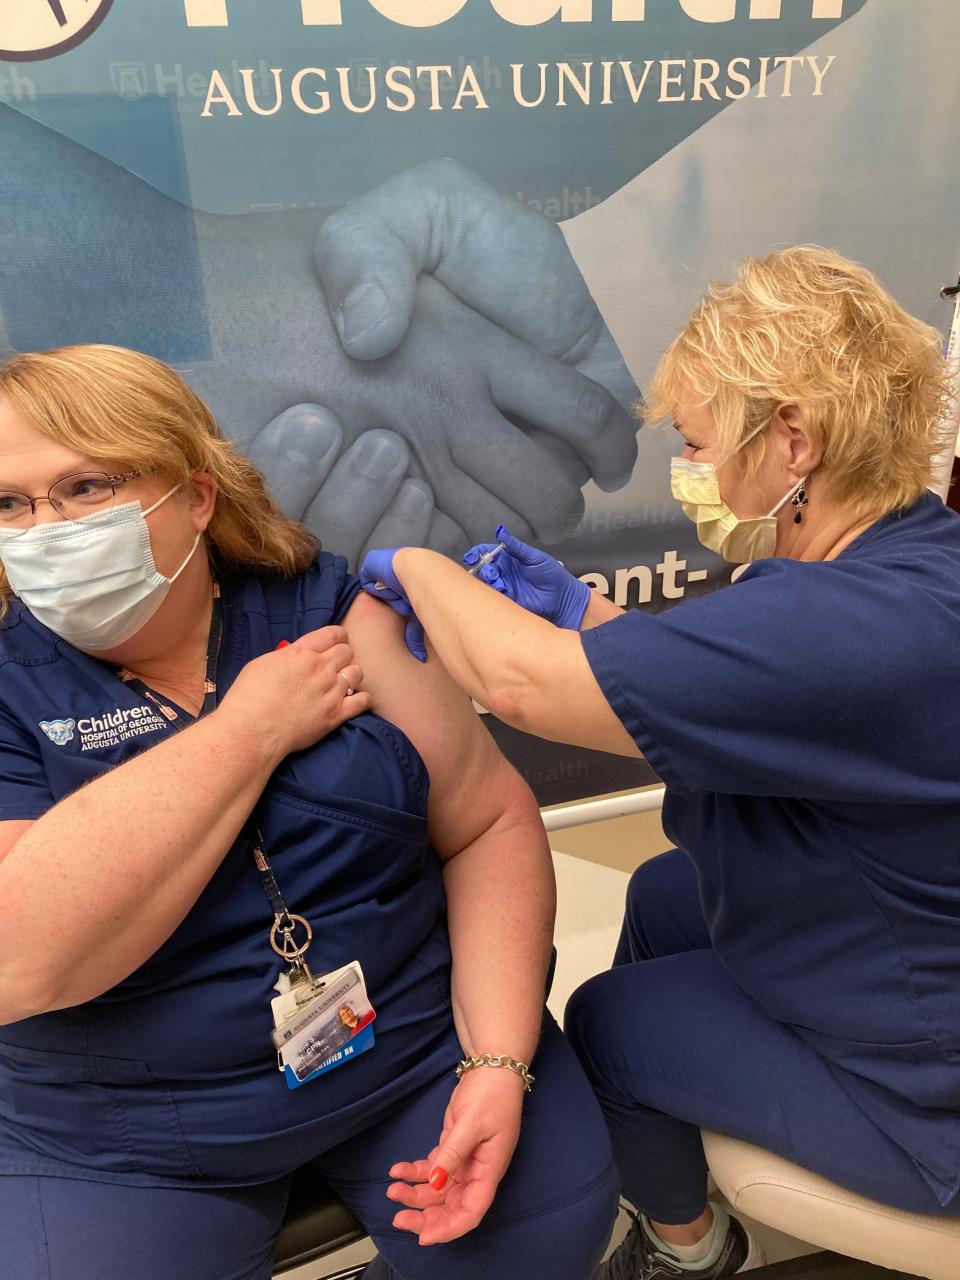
826,1266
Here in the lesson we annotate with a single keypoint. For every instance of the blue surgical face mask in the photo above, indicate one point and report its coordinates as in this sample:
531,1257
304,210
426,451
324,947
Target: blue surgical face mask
92,581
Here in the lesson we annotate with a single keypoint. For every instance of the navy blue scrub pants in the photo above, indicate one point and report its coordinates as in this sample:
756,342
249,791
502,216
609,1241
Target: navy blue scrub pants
552,1216
671,1044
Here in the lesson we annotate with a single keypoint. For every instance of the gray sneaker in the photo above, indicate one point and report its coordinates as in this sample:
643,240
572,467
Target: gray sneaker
637,1258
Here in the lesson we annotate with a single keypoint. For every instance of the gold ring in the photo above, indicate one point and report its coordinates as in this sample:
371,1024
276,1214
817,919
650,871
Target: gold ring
346,682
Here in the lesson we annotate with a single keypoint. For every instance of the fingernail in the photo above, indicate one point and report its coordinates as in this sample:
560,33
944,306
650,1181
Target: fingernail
378,454
594,410
438,1179
306,431
362,310
413,497
284,644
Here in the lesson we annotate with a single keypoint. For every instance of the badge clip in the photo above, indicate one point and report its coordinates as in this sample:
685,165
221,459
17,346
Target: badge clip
283,942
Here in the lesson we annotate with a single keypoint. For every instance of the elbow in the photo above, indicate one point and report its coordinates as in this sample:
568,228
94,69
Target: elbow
521,674
26,995
18,1006
511,698
501,704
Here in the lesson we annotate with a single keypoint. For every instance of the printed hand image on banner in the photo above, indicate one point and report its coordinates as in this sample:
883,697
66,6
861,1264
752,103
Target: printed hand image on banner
421,259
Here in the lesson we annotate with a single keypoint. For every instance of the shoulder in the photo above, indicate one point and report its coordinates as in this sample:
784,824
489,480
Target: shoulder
409,693
761,591
329,584
909,555
471,783
23,641
317,597
786,617
807,616
33,676
922,532
365,616
397,682
421,698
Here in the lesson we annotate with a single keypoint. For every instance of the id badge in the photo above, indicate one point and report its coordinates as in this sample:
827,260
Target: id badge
322,1027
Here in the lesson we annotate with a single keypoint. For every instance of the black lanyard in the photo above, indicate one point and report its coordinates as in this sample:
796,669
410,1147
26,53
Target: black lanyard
176,715
284,923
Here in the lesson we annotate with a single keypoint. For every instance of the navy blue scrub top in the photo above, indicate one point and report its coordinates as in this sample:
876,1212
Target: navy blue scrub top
806,723
170,1078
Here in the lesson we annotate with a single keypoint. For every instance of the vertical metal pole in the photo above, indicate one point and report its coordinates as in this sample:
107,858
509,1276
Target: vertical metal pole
951,414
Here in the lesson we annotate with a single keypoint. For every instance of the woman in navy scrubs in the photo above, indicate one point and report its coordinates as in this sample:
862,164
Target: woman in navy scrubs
788,974
197,706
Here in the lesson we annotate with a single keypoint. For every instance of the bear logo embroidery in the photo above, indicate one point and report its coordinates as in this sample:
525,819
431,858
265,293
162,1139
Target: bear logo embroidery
59,731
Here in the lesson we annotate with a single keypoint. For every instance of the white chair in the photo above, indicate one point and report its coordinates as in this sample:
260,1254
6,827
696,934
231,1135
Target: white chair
802,1204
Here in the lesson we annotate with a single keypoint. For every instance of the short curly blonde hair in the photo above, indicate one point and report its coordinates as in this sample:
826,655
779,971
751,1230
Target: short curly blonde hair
125,409
807,326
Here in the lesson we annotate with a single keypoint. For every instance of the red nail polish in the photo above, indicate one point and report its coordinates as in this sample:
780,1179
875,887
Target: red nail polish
283,644
438,1179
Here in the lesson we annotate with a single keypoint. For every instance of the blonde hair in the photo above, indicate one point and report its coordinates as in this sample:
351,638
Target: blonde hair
809,327
123,408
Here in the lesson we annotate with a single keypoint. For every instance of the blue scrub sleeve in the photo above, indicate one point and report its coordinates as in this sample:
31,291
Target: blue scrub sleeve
24,790
348,588
796,681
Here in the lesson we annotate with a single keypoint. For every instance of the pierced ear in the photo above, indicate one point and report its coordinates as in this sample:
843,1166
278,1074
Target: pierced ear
805,451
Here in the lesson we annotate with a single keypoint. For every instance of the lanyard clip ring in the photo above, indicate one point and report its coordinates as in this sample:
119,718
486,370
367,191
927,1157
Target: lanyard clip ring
282,939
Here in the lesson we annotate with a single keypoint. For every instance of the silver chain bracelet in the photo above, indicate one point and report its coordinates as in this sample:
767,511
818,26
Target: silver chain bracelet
498,1060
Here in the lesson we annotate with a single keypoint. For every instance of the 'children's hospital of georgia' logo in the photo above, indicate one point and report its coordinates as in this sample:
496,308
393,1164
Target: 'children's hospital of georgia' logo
59,731
35,29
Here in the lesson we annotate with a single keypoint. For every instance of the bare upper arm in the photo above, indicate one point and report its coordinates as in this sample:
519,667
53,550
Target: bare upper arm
10,833
472,786
549,689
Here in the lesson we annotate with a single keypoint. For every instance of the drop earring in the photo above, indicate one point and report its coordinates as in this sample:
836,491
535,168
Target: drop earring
799,501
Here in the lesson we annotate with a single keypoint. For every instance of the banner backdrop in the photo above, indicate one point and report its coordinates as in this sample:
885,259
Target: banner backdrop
420,256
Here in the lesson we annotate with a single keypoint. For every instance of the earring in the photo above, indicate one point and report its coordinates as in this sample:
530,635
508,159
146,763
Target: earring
799,500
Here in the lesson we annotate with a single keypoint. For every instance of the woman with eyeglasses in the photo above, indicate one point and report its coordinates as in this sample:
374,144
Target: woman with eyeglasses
232,805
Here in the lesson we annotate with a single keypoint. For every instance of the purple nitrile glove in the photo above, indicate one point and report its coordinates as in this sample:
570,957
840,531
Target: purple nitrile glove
533,579
378,579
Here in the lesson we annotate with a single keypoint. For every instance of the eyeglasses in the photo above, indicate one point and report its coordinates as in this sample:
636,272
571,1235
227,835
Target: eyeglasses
72,498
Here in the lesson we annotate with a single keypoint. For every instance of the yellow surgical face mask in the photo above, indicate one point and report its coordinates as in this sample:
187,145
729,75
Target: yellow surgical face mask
695,487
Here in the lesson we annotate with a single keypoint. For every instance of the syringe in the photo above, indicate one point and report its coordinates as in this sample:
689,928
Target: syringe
486,558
